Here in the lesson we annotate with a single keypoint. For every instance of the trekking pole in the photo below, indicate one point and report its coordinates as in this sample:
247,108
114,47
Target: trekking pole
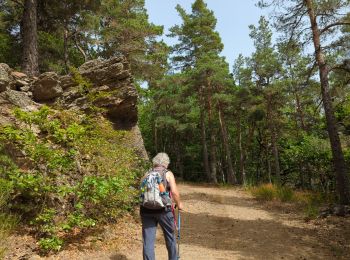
178,233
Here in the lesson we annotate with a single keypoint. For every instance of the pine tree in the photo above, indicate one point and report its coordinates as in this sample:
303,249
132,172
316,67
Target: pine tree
315,20
29,33
126,30
198,50
266,70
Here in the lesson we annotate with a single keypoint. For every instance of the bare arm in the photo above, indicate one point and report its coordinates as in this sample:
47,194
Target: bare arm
173,187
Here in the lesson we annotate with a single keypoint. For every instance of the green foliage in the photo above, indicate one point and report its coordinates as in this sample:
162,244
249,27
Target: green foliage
315,154
8,221
126,30
83,84
312,201
311,211
285,194
51,52
50,244
73,158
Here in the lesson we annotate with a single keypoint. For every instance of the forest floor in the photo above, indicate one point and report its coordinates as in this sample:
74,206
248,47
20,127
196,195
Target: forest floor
217,223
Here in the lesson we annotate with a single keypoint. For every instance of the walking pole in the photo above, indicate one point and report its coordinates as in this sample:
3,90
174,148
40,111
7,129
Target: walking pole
178,233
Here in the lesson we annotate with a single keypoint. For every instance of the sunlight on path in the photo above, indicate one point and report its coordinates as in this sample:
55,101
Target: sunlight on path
227,211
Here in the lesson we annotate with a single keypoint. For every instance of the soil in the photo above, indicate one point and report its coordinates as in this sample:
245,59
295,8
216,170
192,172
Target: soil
217,223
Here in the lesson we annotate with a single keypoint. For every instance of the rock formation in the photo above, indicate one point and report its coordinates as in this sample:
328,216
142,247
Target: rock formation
110,89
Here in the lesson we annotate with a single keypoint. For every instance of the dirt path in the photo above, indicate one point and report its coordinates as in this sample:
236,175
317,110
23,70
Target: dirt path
222,223
229,224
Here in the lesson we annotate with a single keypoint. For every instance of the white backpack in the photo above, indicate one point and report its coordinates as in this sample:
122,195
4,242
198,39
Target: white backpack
151,196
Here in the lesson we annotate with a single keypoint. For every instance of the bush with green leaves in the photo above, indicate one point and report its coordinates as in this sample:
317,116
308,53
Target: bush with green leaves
7,220
81,172
307,161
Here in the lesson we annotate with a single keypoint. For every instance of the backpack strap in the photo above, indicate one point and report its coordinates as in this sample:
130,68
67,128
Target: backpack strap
165,181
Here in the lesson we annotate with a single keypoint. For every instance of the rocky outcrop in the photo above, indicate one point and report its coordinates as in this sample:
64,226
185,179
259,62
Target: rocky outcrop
111,90
5,76
107,86
106,72
47,87
63,154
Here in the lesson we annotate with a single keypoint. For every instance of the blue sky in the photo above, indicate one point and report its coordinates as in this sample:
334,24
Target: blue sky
233,19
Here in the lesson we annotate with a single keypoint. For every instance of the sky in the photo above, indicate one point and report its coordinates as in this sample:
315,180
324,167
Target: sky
233,19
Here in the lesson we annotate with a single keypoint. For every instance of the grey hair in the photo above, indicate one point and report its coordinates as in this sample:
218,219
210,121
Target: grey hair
161,159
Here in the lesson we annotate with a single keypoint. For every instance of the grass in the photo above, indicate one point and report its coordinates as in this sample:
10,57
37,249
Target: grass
269,192
310,202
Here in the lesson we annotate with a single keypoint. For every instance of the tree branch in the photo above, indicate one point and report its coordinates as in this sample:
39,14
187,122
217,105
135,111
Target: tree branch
333,25
18,2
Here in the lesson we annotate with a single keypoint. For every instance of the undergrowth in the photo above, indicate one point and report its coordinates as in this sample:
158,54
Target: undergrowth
309,201
77,172
7,220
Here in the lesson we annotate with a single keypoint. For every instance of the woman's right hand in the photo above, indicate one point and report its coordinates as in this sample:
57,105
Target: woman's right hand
180,206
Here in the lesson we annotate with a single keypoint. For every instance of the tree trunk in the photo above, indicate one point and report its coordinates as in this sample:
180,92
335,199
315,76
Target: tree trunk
213,161
178,163
65,49
204,146
276,155
212,149
244,153
231,176
342,178
29,33
241,153
299,111
268,168
155,137
272,130
81,49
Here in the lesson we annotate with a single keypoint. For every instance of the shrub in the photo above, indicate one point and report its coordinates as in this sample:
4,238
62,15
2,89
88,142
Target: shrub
268,192
83,172
265,192
284,194
310,202
50,244
7,220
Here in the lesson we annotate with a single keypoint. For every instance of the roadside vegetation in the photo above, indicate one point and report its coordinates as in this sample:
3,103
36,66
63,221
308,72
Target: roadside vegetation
8,221
309,202
77,172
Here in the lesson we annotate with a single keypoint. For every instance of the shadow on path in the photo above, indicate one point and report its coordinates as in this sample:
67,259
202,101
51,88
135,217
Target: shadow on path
252,238
118,257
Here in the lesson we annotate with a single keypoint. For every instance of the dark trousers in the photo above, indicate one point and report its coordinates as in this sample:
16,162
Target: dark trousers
149,228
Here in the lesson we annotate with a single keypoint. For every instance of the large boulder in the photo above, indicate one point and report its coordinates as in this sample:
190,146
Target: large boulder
5,76
21,82
102,72
18,99
111,90
11,99
67,82
47,87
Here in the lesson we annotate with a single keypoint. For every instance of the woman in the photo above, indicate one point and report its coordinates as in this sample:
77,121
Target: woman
165,217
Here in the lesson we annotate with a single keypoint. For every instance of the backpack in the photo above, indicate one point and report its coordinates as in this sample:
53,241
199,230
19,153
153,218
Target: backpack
153,191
